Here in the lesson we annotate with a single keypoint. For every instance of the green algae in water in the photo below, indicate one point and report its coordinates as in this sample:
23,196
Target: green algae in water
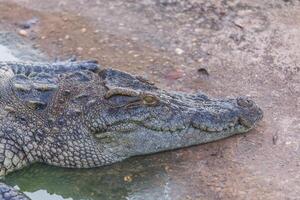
45,182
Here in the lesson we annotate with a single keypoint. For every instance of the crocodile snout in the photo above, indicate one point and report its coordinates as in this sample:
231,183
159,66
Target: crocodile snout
250,113
240,113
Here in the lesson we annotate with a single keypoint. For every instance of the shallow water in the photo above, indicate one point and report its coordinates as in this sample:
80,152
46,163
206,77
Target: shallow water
6,54
147,180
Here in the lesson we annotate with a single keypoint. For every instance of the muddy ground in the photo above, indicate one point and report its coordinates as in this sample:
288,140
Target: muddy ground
223,48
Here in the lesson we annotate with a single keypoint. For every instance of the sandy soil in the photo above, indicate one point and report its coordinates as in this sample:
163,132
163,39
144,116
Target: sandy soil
247,48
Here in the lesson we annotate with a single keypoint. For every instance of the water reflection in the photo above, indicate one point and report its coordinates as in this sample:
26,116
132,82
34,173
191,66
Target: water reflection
6,54
137,178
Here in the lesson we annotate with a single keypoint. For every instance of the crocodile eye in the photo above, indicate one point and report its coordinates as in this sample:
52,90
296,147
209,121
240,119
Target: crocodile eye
150,100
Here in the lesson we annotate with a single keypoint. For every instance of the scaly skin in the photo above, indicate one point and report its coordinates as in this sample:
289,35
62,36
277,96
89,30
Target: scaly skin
76,115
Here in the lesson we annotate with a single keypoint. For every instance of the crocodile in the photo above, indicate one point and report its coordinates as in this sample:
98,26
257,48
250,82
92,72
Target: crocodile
77,114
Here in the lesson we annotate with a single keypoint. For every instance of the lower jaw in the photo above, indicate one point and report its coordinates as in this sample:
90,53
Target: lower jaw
196,136
159,141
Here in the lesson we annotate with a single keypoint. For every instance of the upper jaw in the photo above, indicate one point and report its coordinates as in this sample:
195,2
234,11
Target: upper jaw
235,115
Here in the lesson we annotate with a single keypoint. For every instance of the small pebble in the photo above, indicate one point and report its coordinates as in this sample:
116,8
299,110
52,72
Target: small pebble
22,32
83,30
179,51
67,37
127,178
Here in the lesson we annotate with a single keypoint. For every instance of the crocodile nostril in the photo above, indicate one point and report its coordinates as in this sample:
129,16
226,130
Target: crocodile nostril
244,102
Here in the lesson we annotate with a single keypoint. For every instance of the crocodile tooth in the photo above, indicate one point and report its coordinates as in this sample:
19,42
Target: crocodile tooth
173,129
211,129
203,127
165,128
219,129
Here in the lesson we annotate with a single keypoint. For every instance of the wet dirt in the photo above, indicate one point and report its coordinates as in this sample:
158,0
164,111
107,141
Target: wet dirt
244,47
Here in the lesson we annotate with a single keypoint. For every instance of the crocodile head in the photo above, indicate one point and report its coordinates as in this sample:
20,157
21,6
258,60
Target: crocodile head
136,118
77,115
